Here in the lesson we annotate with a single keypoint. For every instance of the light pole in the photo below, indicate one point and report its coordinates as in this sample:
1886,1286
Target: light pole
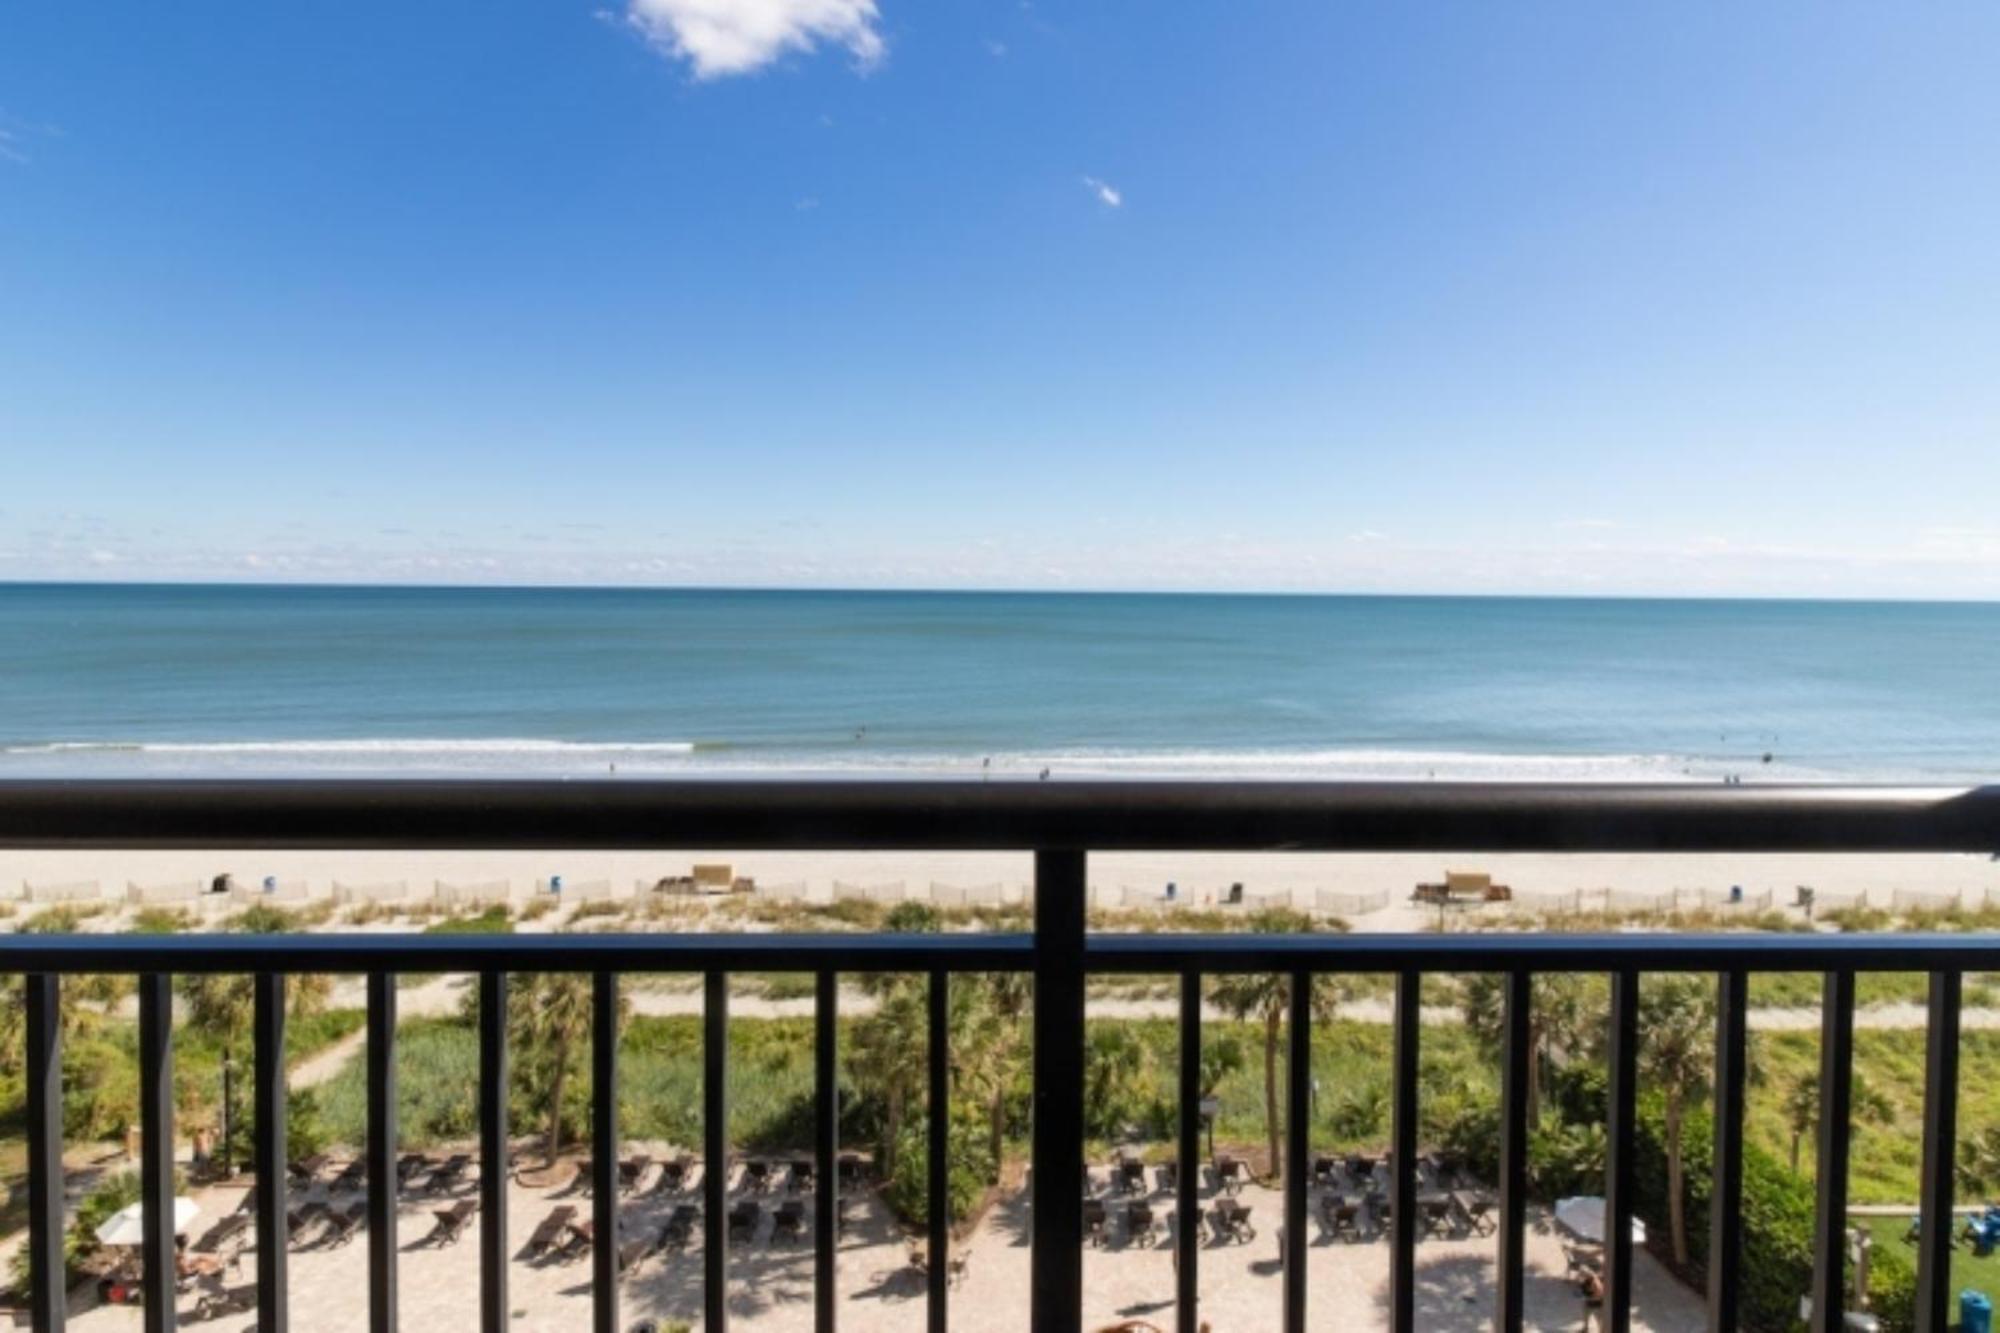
1210,1106
228,1105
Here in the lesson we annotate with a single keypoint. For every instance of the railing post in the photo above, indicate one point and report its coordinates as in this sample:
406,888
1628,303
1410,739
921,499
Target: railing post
381,1156
48,1272
1187,1164
715,1137
826,1138
268,1070
1298,1121
1725,1215
1057,1302
604,1150
1836,1074
1516,1072
1934,1240
1403,1155
156,1172
937,1164
494,1165
1621,1134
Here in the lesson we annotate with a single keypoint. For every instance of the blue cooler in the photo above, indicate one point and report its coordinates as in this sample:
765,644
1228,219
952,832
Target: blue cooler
1975,1312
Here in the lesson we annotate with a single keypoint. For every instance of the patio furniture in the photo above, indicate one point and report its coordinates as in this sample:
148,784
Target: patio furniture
412,1164
247,1205
299,1219
1130,1176
1170,1177
631,1171
957,1268
757,1174
1231,1221
353,1176
678,1231
789,1221
850,1168
219,1235
673,1175
1325,1170
743,1218
1434,1212
305,1169
342,1226
1476,1206
450,1223
802,1176
1093,1221
585,1179
549,1232
449,1173
221,1301
631,1254
1340,1216
1139,1223
1229,1174
581,1239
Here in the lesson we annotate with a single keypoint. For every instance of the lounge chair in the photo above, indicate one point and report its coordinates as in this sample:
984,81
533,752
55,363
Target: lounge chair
633,1253
221,1301
1231,1221
789,1221
743,1218
342,1227
219,1235
303,1218
1139,1223
1093,1221
631,1171
306,1169
757,1174
353,1176
1477,1207
450,1173
451,1223
1130,1176
1340,1216
1229,1174
550,1232
673,1176
1324,1171
1170,1177
411,1165
802,1176
581,1238
678,1232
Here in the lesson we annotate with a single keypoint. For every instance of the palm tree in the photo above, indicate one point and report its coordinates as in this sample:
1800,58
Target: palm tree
886,1053
1264,997
548,1020
1802,1107
1677,1023
989,1030
1565,1021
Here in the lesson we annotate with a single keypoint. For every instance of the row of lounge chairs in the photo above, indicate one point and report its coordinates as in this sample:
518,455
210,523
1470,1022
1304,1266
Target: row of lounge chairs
416,1173
1228,1222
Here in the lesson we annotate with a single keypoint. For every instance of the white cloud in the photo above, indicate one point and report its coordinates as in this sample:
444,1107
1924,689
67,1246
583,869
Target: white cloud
723,37
996,48
1106,194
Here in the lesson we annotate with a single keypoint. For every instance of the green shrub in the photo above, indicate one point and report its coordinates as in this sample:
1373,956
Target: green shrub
495,920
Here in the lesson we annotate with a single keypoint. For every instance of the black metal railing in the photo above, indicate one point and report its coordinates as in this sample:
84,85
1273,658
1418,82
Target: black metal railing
1060,823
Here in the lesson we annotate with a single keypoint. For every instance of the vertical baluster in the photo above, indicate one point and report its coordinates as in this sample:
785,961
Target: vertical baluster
1623,1098
1187,1170
1934,1224
382,1152
1516,1074
494,1166
1058,1131
1836,1072
826,1139
45,1147
604,1150
1725,1217
1298,1123
715,1170
156,1170
938,1163
273,1183
1403,1153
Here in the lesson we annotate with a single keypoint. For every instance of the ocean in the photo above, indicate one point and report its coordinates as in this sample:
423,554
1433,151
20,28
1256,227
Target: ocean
127,681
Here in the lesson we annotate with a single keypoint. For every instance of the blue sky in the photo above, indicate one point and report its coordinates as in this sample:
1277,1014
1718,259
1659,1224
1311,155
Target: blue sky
1400,297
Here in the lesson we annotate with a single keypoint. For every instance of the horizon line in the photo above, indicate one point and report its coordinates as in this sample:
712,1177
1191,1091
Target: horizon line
993,591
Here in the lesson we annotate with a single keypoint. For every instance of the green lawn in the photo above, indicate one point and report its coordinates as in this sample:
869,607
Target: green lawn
1966,1271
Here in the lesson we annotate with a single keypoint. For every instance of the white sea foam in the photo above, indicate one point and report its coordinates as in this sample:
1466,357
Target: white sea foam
542,757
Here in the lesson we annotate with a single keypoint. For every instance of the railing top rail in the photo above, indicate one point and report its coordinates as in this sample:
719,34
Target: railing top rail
1164,953
996,816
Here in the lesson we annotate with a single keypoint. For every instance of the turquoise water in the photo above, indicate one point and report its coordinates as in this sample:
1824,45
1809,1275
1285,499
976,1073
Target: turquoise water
164,680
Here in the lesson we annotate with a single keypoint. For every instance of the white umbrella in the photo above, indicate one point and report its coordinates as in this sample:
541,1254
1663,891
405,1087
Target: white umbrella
1584,1216
127,1226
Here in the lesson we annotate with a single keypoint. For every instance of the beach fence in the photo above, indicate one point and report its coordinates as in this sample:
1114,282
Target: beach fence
479,893
173,891
784,890
888,891
1832,900
1268,899
1921,900
62,891
1337,903
382,891
268,890
1758,901
1569,901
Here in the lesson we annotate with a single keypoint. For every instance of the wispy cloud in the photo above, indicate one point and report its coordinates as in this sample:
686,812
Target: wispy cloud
1108,195
718,38
996,48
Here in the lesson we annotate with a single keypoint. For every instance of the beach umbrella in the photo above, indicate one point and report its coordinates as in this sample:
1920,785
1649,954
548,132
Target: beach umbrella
1583,1217
127,1226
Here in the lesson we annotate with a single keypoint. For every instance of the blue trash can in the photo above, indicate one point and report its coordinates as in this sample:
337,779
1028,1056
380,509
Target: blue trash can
1975,1312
